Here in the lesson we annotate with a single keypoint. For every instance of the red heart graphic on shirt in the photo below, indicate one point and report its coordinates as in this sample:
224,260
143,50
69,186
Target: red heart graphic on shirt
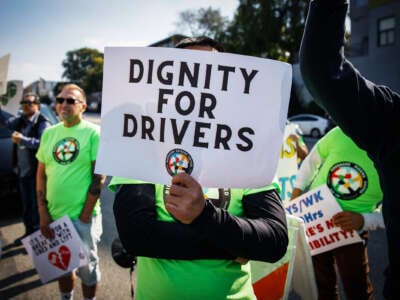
60,259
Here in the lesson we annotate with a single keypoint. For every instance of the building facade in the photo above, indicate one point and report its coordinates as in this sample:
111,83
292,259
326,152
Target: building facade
375,40
374,47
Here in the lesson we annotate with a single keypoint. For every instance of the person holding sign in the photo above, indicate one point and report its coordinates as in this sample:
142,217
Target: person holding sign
351,177
195,243
27,131
369,113
67,184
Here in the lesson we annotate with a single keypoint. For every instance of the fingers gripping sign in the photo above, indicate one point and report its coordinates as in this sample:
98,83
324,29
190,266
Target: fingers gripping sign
185,201
347,220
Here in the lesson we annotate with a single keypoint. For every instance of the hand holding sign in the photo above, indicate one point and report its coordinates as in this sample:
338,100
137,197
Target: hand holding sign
348,220
326,225
185,200
59,255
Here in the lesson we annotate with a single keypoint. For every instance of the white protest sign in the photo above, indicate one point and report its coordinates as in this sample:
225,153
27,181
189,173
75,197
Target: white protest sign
4,61
287,165
316,208
218,116
10,101
59,256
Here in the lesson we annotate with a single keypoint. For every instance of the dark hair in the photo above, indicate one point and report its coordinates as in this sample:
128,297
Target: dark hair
200,41
35,96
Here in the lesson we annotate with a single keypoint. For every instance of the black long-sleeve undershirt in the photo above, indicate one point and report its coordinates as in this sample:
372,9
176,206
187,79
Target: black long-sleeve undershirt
215,234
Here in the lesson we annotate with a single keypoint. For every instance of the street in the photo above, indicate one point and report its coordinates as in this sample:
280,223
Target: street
19,280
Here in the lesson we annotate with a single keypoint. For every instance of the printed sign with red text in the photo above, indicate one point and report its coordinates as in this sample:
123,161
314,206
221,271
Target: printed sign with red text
316,208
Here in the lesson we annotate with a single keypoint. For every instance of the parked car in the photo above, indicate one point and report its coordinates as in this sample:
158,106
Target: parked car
8,178
310,124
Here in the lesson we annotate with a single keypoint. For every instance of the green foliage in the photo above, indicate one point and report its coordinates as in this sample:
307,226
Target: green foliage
84,67
201,22
266,28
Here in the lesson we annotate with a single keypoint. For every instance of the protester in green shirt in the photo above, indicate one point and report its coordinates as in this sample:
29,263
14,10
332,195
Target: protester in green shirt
351,176
67,185
193,242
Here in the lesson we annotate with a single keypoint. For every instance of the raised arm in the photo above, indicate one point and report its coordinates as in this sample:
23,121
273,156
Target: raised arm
351,100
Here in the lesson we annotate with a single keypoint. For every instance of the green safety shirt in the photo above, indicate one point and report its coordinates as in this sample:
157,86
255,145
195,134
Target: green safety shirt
68,154
169,279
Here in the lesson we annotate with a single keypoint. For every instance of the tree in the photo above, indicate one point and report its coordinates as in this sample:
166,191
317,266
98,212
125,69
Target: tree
84,67
266,28
204,21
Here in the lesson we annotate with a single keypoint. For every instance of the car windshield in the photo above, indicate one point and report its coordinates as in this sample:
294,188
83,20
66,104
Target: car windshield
48,113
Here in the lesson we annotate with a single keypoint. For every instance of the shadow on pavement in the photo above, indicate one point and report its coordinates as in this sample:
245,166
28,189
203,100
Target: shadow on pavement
18,277
13,253
20,289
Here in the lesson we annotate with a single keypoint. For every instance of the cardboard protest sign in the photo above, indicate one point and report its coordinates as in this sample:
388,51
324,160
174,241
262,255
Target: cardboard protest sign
275,280
218,116
4,61
272,280
316,208
287,165
10,101
59,256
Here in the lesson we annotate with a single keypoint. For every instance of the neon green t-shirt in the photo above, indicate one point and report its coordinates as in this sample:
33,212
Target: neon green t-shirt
171,279
68,154
349,173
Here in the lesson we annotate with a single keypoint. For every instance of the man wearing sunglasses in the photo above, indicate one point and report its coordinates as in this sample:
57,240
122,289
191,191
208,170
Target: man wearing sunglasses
67,185
27,131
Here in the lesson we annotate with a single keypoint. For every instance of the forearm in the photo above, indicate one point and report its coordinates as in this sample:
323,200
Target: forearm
30,142
33,142
44,215
142,234
92,197
308,169
41,189
302,151
261,235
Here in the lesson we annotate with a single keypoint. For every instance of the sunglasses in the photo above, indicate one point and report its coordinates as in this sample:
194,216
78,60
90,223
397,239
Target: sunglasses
70,101
26,102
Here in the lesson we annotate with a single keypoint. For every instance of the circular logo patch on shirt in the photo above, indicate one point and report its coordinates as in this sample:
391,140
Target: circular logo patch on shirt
347,180
66,150
178,161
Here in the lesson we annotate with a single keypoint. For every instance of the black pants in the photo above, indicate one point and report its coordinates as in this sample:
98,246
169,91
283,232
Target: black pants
352,263
30,214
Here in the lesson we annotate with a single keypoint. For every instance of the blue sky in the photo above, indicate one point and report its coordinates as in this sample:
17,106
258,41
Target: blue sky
38,33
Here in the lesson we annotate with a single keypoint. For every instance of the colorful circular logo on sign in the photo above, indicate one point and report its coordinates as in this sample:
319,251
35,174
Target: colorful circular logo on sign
178,161
66,150
347,180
